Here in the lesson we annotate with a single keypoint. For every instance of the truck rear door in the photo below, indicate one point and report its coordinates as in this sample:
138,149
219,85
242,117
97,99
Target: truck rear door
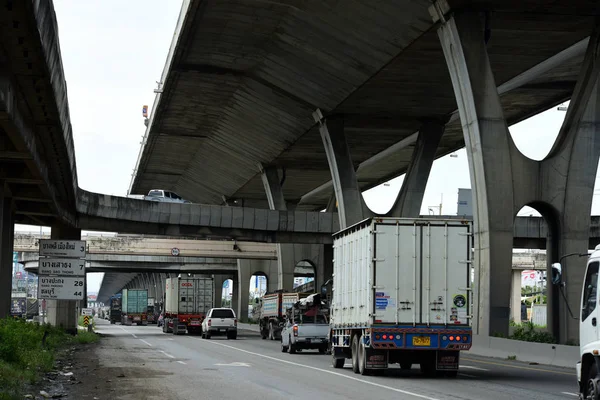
446,273
421,272
397,260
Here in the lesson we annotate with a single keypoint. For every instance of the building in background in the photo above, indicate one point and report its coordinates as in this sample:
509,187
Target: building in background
464,203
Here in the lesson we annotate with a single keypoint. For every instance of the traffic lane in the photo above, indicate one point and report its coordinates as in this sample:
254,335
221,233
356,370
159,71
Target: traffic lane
541,378
186,373
255,378
504,379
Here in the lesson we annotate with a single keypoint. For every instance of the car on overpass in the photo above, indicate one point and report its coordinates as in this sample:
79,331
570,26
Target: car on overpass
165,196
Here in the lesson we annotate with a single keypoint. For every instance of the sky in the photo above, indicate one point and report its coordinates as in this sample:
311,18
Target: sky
113,53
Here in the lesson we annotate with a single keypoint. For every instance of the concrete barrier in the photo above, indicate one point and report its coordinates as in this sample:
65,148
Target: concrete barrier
542,353
248,327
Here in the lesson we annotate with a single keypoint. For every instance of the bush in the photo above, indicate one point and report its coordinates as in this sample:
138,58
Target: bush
26,350
526,332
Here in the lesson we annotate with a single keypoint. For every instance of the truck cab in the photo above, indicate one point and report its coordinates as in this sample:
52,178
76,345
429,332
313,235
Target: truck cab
588,365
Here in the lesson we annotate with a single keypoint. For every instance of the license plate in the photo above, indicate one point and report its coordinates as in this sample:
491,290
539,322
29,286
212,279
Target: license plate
194,322
421,341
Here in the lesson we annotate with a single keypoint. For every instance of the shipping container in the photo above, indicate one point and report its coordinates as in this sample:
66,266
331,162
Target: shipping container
134,306
401,294
187,300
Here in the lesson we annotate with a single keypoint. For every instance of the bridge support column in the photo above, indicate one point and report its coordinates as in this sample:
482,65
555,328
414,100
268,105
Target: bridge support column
409,200
350,202
64,313
515,300
7,231
219,281
560,187
247,268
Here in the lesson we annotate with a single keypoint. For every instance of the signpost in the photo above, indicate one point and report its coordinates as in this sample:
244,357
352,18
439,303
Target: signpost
62,269
60,288
86,311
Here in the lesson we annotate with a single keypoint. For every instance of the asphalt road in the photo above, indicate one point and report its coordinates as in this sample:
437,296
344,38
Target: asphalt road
188,367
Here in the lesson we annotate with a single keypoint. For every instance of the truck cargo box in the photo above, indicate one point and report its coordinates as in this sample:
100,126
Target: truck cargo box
189,295
134,301
402,271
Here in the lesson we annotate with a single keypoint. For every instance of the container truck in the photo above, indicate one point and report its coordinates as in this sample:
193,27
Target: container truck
134,306
187,300
115,308
401,294
272,310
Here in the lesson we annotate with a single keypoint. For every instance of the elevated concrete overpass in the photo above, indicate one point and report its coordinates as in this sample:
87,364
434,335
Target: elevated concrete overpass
379,70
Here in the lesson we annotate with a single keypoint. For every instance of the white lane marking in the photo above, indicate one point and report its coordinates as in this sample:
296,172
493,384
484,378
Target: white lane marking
467,375
146,342
126,331
471,367
319,369
181,362
571,394
235,364
166,354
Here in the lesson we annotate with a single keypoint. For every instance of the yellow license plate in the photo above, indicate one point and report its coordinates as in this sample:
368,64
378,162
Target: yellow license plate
421,341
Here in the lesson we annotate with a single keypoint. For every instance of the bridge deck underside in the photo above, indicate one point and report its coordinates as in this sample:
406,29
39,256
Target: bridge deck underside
246,78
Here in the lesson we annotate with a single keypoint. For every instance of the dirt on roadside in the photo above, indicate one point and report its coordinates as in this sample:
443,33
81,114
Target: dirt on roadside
98,371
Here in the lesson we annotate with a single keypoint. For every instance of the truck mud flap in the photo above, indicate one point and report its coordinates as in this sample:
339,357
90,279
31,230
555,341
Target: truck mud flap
375,358
447,360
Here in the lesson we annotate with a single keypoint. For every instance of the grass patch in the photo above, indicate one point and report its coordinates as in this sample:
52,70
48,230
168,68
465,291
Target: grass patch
27,350
86,337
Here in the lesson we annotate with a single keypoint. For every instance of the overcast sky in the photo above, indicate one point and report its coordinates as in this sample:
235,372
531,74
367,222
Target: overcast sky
114,51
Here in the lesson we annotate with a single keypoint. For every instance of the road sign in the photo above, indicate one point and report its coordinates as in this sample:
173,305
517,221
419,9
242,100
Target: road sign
86,311
61,266
60,288
86,320
174,251
62,248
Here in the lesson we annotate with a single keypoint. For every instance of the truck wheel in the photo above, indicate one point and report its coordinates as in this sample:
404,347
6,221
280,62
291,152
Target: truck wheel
338,362
592,385
355,354
271,333
405,365
322,349
362,359
291,347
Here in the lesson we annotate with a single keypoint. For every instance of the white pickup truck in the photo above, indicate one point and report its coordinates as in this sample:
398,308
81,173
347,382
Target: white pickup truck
306,326
220,321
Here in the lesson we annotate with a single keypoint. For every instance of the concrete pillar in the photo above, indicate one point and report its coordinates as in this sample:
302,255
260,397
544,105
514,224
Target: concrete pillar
515,290
7,230
235,295
343,175
247,268
409,200
219,281
560,187
64,313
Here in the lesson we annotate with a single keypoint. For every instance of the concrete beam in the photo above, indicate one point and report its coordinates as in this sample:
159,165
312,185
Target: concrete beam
120,214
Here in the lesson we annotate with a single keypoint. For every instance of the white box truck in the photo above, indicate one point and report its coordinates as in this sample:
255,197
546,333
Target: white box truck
187,300
401,294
